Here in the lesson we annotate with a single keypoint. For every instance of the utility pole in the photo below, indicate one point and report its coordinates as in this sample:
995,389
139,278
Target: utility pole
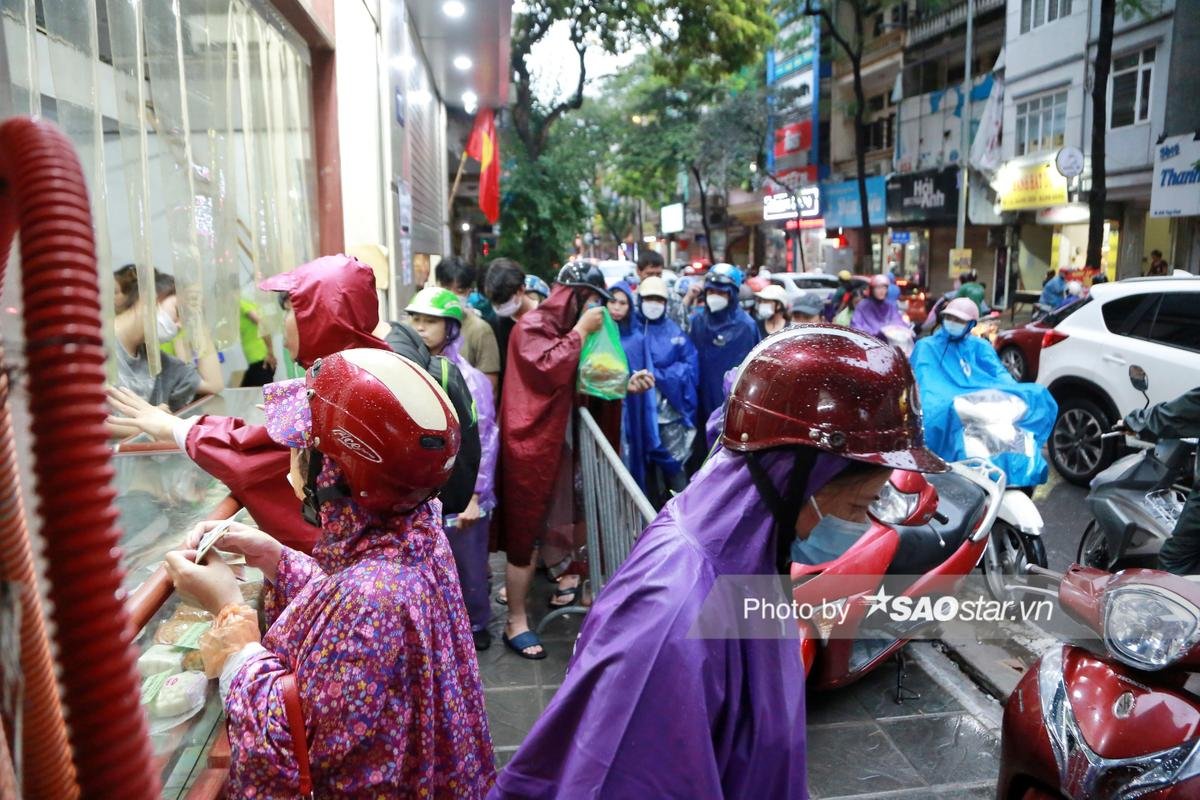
964,150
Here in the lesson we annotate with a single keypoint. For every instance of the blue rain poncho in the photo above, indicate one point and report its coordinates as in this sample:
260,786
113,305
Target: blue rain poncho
722,340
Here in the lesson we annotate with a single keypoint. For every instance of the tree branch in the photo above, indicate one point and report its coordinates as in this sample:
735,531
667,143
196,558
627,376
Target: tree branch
575,101
823,13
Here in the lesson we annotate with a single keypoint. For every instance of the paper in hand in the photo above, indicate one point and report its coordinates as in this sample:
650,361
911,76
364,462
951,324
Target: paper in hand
210,539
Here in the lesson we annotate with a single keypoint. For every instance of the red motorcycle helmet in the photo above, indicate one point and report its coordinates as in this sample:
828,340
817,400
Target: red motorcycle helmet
833,389
386,423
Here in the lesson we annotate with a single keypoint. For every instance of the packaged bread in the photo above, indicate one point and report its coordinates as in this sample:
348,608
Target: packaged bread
160,658
192,660
188,613
252,592
181,633
183,693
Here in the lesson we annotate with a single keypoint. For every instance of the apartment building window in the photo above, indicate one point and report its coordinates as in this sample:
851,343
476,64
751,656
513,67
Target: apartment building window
1035,13
1129,92
1041,123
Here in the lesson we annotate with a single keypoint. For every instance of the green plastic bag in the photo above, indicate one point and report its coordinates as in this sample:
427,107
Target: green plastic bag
844,316
603,368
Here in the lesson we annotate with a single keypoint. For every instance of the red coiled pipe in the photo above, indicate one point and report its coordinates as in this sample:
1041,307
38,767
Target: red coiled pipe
42,190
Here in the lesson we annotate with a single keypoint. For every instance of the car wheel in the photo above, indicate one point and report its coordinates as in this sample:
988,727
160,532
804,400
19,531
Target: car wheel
1014,361
1076,448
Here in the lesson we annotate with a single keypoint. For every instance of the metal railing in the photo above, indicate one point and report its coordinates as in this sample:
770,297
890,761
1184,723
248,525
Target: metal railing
935,24
615,511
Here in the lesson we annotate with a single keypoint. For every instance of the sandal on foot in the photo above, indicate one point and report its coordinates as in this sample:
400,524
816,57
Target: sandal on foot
569,597
522,640
483,639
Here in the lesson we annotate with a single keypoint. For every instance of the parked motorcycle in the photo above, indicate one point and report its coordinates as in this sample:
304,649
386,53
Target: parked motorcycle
1120,723
935,526
1136,502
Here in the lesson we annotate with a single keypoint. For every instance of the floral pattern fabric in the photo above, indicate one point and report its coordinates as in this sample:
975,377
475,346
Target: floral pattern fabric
374,628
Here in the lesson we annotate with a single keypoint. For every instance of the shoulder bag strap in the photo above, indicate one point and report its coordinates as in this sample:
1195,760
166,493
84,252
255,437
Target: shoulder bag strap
295,720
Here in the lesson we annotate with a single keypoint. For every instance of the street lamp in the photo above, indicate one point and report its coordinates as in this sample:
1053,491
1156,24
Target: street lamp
465,227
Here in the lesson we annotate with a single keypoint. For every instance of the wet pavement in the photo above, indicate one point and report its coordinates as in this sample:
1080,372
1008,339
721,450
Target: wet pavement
861,743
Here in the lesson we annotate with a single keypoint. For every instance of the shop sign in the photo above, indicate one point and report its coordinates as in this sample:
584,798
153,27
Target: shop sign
842,207
901,237
784,204
793,138
1176,190
1030,186
928,197
670,218
960,262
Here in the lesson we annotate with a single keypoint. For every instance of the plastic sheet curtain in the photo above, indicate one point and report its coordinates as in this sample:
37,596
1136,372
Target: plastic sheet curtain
200,126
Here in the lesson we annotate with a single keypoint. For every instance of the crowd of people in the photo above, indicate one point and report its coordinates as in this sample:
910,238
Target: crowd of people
411,449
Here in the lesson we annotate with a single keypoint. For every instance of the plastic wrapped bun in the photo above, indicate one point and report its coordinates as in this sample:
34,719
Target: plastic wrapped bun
160,658
180,697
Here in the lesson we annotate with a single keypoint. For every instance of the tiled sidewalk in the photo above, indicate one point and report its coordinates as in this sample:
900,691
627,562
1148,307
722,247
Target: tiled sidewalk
861,743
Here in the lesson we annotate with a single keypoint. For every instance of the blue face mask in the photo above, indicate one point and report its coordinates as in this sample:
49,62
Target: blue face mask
954,328
594,304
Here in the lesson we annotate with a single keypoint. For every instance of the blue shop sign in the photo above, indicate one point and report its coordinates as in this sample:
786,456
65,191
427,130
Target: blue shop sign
841,206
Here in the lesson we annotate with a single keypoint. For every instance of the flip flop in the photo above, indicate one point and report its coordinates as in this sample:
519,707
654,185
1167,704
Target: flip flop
569,596
522,640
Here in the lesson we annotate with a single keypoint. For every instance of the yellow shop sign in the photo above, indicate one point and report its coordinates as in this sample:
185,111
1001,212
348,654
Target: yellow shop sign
1031,186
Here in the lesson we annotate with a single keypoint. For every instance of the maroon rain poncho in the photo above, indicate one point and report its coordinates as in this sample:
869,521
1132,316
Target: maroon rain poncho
336,309
535,408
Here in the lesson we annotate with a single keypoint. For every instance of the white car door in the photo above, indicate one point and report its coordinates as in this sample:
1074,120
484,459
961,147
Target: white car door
1164,341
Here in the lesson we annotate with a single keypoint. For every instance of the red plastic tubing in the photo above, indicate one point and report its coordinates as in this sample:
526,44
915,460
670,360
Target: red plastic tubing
42,190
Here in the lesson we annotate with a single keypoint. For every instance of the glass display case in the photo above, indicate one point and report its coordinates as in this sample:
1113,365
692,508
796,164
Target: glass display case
160,497
243,403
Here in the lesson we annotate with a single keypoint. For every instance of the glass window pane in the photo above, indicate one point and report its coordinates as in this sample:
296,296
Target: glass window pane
1175,324
1125,62
1026,9
1021,145
1039,12
1144,99
1148,55
1064,8
1124,96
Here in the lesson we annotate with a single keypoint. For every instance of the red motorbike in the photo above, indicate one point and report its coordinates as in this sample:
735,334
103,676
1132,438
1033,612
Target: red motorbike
1121,720
932,526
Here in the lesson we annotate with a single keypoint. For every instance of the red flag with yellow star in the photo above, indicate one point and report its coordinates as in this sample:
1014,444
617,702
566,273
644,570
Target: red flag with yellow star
484,147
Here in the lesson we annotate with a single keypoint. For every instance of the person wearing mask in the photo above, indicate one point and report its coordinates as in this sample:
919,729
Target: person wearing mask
806,308
479,346
1054,291
259,352
505,287
669,425
535,415
178,382
330,305
771,310
637,431
746,299
368,651
722,333
651,649
536,288
1158,264
875,313
953,362
1176,419
437,315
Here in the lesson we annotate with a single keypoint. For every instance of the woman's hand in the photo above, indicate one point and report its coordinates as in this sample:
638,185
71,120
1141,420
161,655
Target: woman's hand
132,412
470,514
640,381
210,585
261,550
591,321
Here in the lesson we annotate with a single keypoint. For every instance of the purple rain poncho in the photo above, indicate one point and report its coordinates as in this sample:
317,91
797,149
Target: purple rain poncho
872,316
647,712
489,428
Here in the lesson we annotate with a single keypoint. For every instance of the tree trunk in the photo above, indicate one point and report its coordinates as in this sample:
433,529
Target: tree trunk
704,215
1099,192
860,159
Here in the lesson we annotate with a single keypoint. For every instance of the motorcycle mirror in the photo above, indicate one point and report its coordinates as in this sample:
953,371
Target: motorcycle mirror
1137,377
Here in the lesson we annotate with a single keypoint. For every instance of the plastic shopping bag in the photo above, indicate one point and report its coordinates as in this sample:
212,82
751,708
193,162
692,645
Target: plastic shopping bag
603,368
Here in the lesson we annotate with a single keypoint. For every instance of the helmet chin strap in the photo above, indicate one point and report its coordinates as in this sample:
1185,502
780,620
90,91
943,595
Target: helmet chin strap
314,497
784,508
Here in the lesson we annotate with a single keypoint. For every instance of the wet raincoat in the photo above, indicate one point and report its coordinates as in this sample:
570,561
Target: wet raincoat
722,340
946,368
872,316
671,356
647,710
336,309
639,426
373,627
535,409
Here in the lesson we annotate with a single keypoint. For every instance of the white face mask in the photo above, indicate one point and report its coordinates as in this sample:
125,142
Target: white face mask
766,310
716,303
168,328
507,309
653,309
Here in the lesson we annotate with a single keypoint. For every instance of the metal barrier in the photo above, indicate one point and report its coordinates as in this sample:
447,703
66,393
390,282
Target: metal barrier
615,510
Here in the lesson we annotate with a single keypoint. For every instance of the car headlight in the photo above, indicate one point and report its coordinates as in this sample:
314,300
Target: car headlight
893,506
1147,627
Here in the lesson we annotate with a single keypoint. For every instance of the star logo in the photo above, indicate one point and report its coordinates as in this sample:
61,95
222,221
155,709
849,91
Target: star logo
879,601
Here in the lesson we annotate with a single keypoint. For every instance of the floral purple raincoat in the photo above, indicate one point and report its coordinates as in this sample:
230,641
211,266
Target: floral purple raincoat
374,629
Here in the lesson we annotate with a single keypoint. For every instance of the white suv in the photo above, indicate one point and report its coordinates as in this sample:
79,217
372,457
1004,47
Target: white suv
1153,323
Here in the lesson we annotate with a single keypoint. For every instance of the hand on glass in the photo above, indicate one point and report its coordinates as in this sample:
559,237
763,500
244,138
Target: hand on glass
640,381
260,549
210,585
134,412
470,514
591,321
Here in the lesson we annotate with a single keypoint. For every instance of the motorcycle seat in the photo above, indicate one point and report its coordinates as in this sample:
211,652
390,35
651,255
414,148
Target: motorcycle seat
923,547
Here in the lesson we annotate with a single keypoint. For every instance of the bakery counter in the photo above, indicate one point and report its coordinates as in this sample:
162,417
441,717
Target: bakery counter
160,497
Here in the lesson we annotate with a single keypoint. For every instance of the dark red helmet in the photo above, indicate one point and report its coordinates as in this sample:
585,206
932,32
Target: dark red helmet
386,423
834,389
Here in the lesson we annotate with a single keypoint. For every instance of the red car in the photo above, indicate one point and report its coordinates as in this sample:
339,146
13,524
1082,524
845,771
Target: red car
1020,348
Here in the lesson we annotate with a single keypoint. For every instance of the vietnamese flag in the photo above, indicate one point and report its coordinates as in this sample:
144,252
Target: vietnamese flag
484,147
